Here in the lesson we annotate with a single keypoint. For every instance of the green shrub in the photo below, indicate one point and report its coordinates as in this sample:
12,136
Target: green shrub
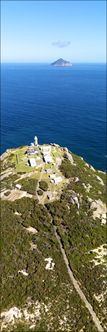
7,193
43,185
67,169
25,205
40,192
29,185
20,173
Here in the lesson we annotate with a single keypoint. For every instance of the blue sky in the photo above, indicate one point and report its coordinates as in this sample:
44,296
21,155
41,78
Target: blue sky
42,31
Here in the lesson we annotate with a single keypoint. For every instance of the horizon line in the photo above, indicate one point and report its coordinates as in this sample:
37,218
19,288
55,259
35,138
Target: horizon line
47,62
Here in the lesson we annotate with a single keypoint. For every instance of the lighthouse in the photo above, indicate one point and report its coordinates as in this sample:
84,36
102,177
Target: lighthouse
35,141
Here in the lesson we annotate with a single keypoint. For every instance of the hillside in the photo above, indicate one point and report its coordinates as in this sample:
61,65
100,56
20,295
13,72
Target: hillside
61,63
53,241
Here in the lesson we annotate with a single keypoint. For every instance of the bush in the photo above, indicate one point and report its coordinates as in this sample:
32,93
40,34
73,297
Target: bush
29,185
25,205
7,193
40,192
20,173
67,169
43,185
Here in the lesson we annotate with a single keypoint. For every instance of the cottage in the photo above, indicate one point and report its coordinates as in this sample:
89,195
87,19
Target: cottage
47,158
58,179
46,149
55,179
31,151
32,162
18,186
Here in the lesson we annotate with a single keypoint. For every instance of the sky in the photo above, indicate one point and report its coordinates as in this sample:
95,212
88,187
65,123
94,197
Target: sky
43,31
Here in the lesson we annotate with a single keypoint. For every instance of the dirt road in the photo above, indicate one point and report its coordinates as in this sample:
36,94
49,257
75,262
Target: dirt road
40,199
77,287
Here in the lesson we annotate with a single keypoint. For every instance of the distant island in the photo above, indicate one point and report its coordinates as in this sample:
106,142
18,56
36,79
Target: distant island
61,63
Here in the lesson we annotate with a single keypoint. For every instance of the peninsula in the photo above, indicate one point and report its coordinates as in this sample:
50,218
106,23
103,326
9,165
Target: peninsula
53,241
61,63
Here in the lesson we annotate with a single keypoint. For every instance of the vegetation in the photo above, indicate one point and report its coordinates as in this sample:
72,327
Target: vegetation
43,185
25,250
29,185
67,169
40,284
7,193
40,192
79,232
8,182
86,176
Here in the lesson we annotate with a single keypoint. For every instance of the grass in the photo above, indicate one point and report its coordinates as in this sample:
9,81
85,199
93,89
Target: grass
8,183
43,185
22,168
29,185
17,157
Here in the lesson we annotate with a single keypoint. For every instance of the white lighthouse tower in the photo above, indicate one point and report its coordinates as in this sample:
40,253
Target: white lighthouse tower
35,141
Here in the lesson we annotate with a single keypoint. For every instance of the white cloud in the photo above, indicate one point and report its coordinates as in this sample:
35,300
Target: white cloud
61,44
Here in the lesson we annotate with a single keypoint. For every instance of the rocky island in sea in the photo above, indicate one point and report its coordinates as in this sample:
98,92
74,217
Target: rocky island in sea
53,244
61,63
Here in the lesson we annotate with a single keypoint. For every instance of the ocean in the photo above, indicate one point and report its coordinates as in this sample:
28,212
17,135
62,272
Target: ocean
66,106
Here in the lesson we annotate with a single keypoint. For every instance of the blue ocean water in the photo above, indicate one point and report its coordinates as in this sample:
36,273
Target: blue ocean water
62,105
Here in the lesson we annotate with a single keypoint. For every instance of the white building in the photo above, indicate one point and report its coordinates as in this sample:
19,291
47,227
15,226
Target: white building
32,162
47,158
35,141
55,179
46,149
18,186
32,151
58,179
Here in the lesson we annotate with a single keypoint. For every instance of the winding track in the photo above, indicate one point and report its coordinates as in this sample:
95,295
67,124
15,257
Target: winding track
77,287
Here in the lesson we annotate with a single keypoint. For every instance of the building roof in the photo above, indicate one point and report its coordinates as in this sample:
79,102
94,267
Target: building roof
52,176
31,151
55,179
47,158
58,179
32,162
18,186
46,148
